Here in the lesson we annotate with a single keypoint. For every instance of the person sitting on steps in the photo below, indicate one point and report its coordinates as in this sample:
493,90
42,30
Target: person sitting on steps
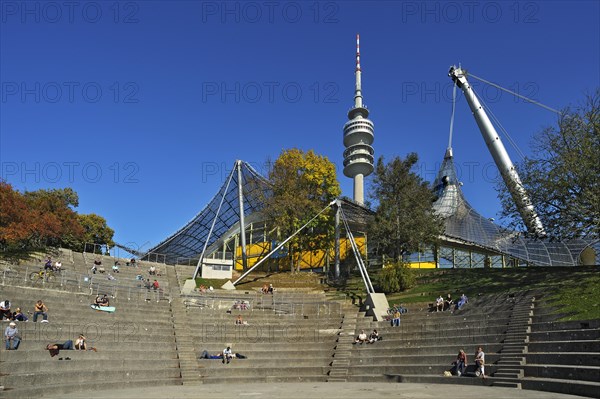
97,266
361,338
227,355
448,302
5,310
374,337
460,364
461,302
80,343
19,316
40,309
11,335
48,264
102,301
439,304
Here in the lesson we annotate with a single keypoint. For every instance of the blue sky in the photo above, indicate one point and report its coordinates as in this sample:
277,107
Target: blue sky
143,106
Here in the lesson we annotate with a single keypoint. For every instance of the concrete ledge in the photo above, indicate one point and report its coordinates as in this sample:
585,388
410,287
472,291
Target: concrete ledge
582,388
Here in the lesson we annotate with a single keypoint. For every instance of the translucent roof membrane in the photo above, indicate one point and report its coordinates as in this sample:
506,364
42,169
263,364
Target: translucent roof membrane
465,225
189,241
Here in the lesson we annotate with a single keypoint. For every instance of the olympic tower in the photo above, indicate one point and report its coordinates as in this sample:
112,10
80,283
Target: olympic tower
358,137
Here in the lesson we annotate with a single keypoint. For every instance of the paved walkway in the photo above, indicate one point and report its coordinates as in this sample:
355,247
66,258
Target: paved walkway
326,390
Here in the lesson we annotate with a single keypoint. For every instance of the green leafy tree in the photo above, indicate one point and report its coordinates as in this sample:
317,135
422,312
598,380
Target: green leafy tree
562,177
404,219
96,230
303,184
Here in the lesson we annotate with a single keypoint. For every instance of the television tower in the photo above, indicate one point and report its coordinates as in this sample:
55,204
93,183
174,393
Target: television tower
358,137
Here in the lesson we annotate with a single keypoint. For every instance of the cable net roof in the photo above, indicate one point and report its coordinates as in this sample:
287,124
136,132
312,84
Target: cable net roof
463,224
189,241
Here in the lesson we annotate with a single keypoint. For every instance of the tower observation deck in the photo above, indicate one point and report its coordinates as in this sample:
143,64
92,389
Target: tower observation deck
358,137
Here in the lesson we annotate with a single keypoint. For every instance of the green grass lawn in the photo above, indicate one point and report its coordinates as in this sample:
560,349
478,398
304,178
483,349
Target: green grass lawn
573,290
256,280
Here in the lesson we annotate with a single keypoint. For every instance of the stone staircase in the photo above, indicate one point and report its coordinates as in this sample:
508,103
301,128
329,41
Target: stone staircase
510,369
186,350
338,372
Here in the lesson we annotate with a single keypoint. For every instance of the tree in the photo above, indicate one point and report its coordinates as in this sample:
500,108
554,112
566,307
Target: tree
404,219
54,220
15,218
396,277
96,230
303,184
562,177
35,219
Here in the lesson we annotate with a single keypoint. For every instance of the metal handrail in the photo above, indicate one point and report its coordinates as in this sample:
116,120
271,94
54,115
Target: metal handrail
75,282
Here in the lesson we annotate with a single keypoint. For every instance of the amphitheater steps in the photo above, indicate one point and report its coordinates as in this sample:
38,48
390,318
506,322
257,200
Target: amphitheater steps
510,366
338,372
186,350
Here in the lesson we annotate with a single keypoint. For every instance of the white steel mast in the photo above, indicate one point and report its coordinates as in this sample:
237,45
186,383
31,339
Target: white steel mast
501,158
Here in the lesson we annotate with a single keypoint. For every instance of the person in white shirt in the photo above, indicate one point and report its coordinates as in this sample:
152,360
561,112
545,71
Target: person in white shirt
362,337
439,304
227,355
480,362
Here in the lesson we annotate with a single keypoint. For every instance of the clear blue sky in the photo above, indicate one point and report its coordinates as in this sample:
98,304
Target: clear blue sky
143,106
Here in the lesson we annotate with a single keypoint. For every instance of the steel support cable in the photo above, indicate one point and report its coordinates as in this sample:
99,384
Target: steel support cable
496,122
282,244
359,260
213,224
452,115
360,269
516,94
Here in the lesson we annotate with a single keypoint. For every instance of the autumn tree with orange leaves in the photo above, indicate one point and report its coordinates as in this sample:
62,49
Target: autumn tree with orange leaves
36,219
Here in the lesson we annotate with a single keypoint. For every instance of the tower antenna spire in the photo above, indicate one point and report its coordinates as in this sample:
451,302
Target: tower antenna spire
357,52
358,91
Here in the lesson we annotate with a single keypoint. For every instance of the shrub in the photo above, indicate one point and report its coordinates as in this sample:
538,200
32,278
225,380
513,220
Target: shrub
396,277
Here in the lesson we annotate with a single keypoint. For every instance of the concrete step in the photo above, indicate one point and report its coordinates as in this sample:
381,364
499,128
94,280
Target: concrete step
341,363
507,384
342,354
507,374
511,360
338,372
